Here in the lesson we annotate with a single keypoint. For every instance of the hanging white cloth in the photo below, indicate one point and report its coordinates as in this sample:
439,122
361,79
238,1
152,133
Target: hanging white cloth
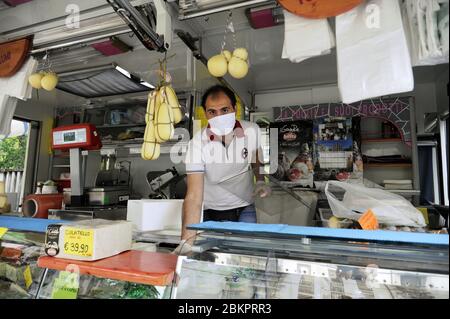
426,25
7,108
306,38
11,90
372,54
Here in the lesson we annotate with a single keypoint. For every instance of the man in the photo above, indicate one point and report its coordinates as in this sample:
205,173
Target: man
221,166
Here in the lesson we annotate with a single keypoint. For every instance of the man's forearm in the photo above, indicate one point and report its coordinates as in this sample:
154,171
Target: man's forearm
256,166
191,215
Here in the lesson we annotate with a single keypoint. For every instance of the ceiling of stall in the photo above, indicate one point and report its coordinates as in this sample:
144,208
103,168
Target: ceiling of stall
268,70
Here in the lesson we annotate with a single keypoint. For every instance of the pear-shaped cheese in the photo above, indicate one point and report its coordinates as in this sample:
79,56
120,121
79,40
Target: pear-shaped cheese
237,68
49,81
35,80
226,54
217,65
241,53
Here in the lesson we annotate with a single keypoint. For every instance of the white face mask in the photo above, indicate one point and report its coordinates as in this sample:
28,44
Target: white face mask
223,124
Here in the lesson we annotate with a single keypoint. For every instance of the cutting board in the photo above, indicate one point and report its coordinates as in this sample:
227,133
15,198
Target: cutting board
319,9
148,268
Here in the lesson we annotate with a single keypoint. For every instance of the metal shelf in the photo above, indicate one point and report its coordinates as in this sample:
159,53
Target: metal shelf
388,165
120,125
382,140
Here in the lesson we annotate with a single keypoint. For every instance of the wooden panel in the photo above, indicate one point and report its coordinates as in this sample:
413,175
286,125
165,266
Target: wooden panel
318,9
135,266
13,55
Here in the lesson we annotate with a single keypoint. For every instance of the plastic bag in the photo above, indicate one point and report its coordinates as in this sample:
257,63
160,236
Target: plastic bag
372,52
389,208
426,26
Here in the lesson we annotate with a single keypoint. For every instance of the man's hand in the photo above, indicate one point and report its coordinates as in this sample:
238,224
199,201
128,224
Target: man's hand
183,248
262,189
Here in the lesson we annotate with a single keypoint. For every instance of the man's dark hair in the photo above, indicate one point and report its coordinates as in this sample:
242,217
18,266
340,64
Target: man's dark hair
217,89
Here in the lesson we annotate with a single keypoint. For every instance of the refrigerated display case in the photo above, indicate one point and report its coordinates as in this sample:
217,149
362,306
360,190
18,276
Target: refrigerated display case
308,262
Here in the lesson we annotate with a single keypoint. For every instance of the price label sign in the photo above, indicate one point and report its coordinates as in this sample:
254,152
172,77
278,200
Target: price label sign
66,286
78,242
27,277
3,231
368,221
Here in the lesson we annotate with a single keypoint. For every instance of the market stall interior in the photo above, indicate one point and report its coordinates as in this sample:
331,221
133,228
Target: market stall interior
99,101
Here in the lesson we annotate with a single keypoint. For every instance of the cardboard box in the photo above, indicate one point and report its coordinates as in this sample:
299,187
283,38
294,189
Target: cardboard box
88,240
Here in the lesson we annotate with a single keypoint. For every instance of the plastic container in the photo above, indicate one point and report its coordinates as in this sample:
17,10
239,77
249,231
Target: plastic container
325,215
282,208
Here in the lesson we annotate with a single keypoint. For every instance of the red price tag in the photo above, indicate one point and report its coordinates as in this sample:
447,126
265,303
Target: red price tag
368,221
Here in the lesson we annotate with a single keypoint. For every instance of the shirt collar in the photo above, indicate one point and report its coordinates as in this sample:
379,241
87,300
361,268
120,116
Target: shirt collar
238,132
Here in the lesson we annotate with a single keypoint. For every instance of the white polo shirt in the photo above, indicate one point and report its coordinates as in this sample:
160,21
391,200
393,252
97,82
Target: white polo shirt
228,178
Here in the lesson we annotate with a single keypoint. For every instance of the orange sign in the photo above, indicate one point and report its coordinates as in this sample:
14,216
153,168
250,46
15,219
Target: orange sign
13,55
319,9
368,221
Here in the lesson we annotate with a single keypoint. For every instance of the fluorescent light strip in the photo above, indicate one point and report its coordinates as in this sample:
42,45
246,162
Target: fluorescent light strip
147,85
128,75
123,71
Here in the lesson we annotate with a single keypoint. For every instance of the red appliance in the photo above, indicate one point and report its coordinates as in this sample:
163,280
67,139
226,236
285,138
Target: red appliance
83,136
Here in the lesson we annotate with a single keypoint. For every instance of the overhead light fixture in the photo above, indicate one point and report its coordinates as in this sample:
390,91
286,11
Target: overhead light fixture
123,71
130,76
147,85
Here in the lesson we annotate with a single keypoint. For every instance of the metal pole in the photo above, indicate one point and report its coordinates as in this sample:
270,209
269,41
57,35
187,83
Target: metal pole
183,16
41,283
76,172
444,159
79,41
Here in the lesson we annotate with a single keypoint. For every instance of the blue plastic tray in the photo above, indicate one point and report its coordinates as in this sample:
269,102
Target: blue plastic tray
28,224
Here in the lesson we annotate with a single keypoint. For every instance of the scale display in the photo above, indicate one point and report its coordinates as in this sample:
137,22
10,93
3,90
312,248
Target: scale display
69,137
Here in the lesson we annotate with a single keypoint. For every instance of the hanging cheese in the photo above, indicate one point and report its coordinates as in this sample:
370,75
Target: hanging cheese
237,67
35,80
150,148
49,81
217,65
172,100
154,99
164,122
227,55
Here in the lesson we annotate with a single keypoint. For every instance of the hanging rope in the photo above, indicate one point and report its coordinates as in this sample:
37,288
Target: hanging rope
229,27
